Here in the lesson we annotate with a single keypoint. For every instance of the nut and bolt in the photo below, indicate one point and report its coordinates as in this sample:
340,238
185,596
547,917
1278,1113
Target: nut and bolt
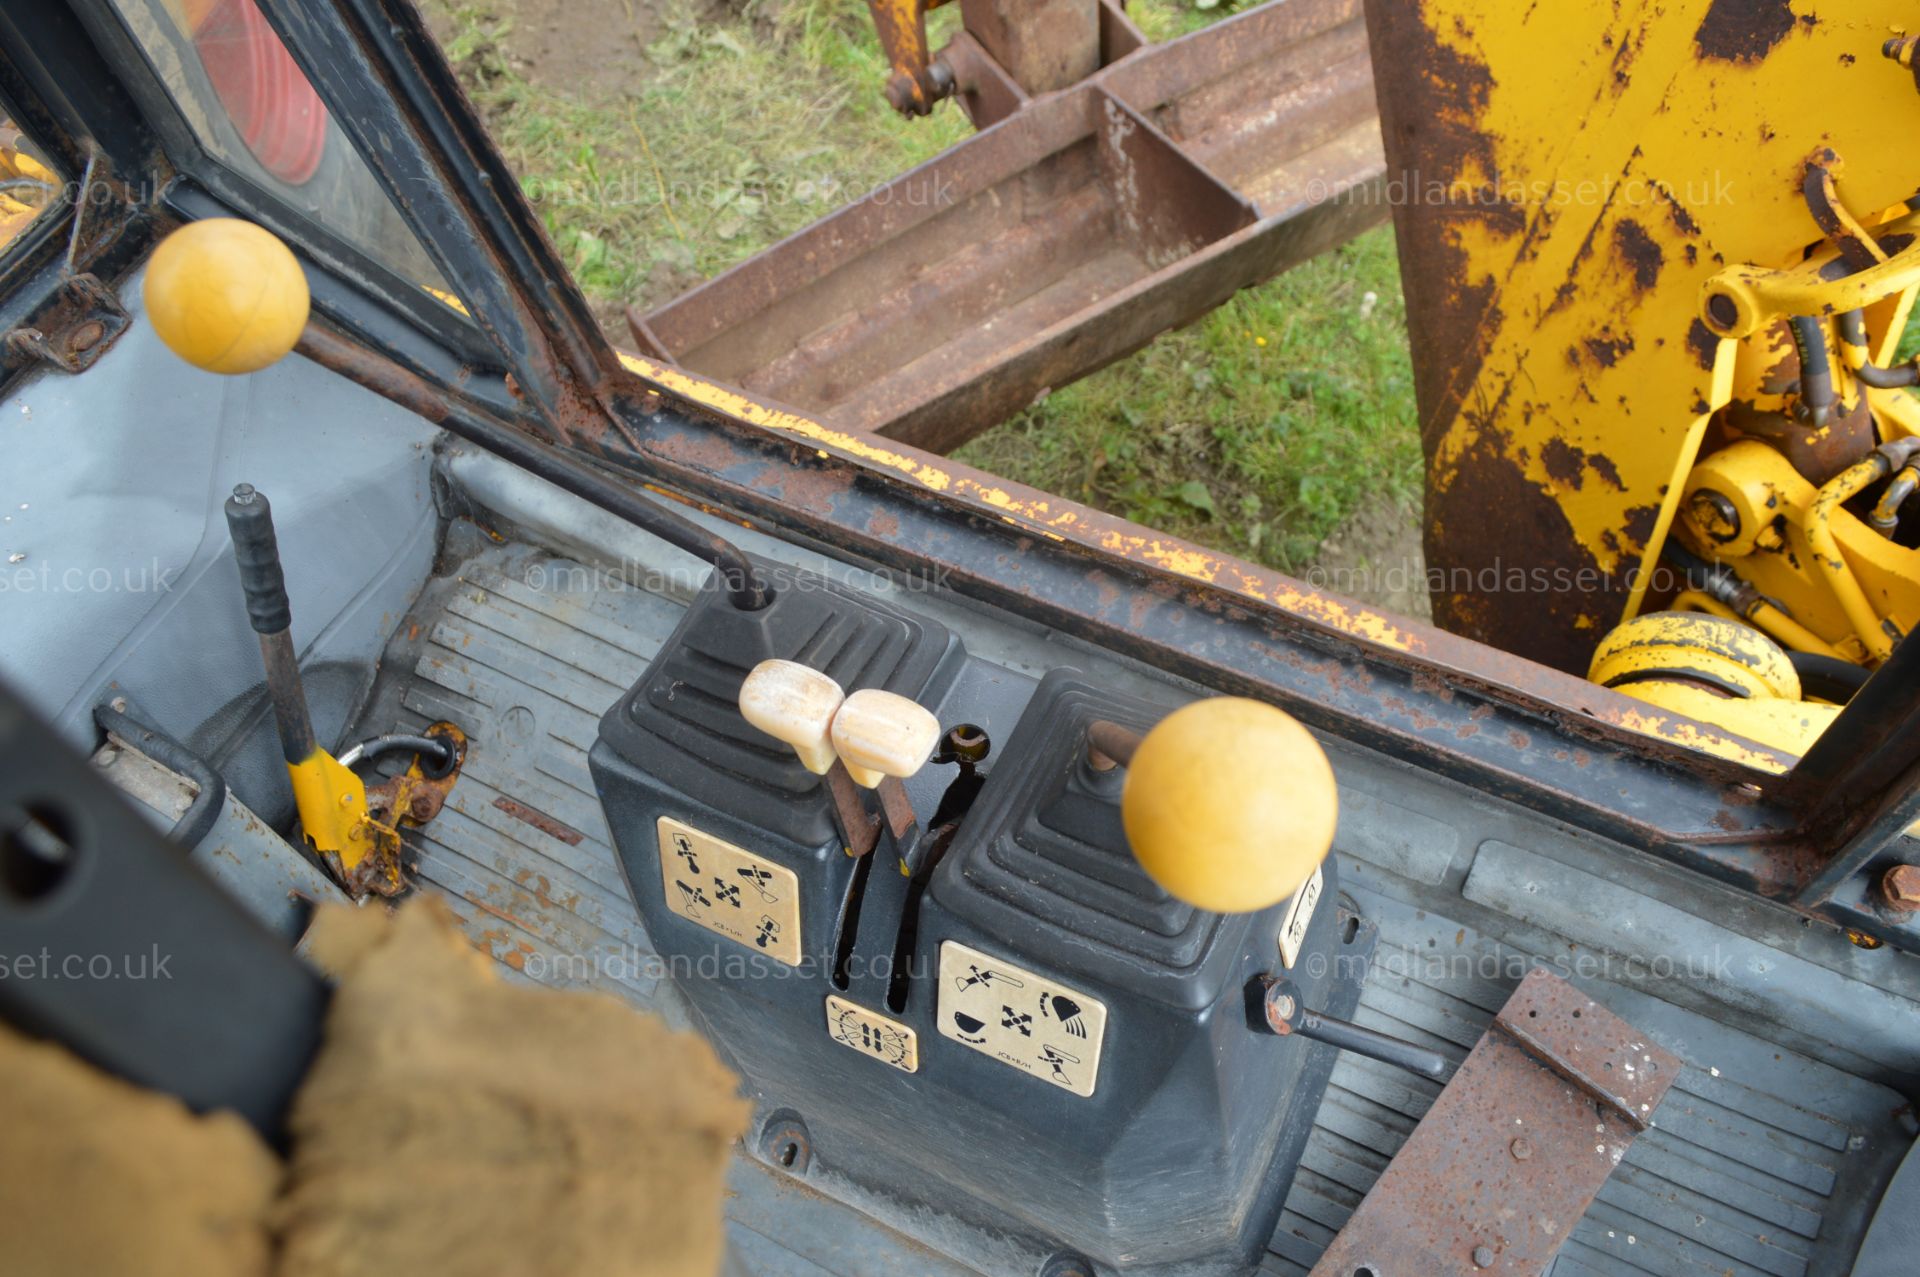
420,806
1521,1150
1281,1007
1483,1256
1900,887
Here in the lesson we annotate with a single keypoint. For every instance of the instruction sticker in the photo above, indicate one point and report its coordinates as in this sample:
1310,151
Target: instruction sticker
1021,1018
1293,932
731,891
870,1033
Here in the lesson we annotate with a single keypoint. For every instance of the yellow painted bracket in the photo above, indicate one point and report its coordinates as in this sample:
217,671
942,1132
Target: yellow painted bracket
333,807
1737,301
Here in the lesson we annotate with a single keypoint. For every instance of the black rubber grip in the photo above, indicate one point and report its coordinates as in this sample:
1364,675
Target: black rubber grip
250,520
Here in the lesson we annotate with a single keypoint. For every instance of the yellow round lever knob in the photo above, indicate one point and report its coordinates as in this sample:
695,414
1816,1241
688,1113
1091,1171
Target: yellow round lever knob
226,295
1229,805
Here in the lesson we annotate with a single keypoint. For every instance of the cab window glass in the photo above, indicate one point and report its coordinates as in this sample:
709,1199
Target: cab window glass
29,184
253,110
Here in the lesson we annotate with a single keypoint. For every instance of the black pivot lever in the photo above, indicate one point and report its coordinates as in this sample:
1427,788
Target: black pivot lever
332,801
1286,1014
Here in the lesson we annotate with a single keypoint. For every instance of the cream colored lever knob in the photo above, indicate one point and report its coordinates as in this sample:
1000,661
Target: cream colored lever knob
881,734
1229,804
796,704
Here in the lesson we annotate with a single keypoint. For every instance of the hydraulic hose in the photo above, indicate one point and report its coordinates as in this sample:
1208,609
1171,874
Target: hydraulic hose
1853,348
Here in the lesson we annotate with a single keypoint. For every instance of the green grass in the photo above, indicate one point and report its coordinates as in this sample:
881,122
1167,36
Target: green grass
1257,430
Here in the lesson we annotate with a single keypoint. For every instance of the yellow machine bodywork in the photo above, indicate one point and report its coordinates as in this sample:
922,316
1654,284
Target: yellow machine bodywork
1716,669
1609,215
332,803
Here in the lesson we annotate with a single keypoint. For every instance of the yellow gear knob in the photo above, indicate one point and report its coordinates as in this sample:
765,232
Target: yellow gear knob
1229,805
226,295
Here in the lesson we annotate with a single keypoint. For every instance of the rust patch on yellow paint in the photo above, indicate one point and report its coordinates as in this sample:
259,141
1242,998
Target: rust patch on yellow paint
1066,525
1686,732
1042,515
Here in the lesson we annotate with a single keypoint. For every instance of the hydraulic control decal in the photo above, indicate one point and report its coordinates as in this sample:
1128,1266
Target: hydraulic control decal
1021,1018
888,1041
731,891
1293,932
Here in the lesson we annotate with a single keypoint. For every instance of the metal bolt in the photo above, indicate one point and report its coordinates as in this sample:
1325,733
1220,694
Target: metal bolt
243,493
903,94
1281,1006
1716,515
106,757
1521,1150
85,337
118,704
1483,1256
420,806
785,1143
1900,887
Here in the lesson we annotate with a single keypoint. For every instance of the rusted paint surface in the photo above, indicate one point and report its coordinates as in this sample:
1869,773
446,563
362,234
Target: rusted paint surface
1044,45
539,820
1070,235
1432,96
1456,662
1762,408
1565,195
1517,1145
1743,30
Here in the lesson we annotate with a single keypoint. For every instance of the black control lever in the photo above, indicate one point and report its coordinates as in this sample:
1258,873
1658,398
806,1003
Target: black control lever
1285,1014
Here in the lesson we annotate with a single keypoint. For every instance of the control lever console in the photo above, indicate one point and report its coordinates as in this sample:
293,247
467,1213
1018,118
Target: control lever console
1016,1018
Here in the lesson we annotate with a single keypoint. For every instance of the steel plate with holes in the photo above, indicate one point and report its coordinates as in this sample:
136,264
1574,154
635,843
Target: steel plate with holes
1516,1147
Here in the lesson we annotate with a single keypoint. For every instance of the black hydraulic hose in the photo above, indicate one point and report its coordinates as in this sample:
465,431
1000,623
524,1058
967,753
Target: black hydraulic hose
1717,580
197,819
1853,331
1686,560
394,742
1817,396
548,462
1885,516
1828,677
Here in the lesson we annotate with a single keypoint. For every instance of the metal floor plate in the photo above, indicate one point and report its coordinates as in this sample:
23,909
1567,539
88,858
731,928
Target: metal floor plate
1764,1159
